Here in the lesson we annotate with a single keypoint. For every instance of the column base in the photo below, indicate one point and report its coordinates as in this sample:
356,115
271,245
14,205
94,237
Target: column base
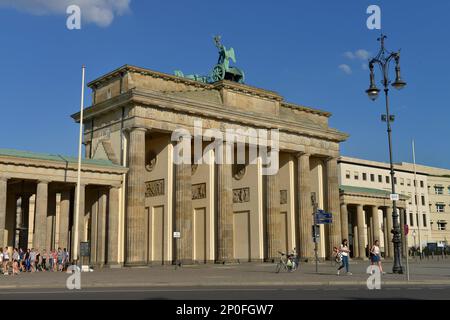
113,265
135,264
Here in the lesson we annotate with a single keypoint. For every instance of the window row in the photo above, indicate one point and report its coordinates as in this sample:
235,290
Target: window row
387,179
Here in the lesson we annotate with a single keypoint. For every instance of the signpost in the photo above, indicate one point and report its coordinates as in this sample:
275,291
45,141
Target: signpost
84,254
320,217
406,231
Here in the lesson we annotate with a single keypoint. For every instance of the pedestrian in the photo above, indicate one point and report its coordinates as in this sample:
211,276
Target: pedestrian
28,261
22,260
344,251
55,260
375,255
1,260
16,261
60,257
66,259
5,261
33,260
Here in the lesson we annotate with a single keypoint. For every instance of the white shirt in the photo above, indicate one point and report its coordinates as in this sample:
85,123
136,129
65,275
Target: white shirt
376,250
344,253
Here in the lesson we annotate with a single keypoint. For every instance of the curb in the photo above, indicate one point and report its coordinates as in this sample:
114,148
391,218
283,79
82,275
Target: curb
231,284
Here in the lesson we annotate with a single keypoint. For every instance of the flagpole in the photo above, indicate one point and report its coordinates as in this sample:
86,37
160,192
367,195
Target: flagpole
80,142
417,196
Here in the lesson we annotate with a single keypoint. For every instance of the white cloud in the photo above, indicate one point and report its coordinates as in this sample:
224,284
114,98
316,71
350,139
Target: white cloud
362,54
359,54
345,68
364,66
349,55
100,12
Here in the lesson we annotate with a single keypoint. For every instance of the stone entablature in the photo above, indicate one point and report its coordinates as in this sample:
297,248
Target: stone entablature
164,102
62,170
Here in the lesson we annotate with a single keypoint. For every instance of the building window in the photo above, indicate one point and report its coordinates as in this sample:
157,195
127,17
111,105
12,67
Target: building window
410,198
364,176
411,219
395,180
402,181
387,179
438,190
421,183
448,189
347,174
356,175
408,182
424,220
380,178
442,225
423,199
372,178
440,207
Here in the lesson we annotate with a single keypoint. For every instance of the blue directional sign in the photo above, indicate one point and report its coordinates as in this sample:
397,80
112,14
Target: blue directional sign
323,217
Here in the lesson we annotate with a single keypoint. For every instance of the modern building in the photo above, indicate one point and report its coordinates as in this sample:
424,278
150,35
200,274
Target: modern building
439,203
365,189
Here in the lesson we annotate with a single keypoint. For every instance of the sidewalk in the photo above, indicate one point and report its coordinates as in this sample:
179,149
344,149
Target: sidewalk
425,272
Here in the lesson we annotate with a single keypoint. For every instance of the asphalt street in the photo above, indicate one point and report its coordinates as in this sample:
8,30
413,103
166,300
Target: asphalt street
234,293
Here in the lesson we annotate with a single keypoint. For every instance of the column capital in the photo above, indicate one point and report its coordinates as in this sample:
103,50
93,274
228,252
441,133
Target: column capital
43,181
130,129
302,153
4,178
330,158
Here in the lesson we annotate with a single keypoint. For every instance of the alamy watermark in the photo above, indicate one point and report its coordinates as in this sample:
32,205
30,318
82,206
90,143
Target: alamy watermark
374,20
374,280
230,147
73,21
74,280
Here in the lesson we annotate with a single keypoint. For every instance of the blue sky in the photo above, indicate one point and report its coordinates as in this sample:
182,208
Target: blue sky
292,47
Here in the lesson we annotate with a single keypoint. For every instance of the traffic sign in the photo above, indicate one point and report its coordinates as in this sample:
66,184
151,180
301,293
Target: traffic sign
394,197
406,227
176,234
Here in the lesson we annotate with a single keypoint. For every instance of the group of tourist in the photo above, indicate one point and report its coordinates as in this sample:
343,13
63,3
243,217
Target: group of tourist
341,256
32,260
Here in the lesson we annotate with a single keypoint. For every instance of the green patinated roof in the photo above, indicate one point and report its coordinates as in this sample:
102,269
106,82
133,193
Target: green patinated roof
54,157
371,191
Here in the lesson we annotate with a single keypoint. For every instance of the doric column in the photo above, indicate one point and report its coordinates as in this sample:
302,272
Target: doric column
64,212
334,228
93,201
305,220
19,214
135,215
375,224
113,227
101,228
40,221
344,222
51,217
224,213
273,217
3,197
389,222
82,236
360,224
183,212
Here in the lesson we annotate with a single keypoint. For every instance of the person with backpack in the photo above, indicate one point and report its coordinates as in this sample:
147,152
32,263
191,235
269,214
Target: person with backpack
344,251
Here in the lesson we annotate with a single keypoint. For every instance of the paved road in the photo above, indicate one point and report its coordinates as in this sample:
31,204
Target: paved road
234,293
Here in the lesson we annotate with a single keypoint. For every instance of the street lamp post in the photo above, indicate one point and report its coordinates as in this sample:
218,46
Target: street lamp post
383,60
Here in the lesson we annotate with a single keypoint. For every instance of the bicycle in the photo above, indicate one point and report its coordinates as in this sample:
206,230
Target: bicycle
287,263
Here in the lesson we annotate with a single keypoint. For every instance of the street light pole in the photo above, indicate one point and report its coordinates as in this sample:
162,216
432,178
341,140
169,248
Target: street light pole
383,59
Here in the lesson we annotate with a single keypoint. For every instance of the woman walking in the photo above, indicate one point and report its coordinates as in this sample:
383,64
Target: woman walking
344,251
375,255
16,262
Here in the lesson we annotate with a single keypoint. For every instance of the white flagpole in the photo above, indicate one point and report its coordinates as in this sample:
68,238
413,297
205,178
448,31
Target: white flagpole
80,142
417,196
